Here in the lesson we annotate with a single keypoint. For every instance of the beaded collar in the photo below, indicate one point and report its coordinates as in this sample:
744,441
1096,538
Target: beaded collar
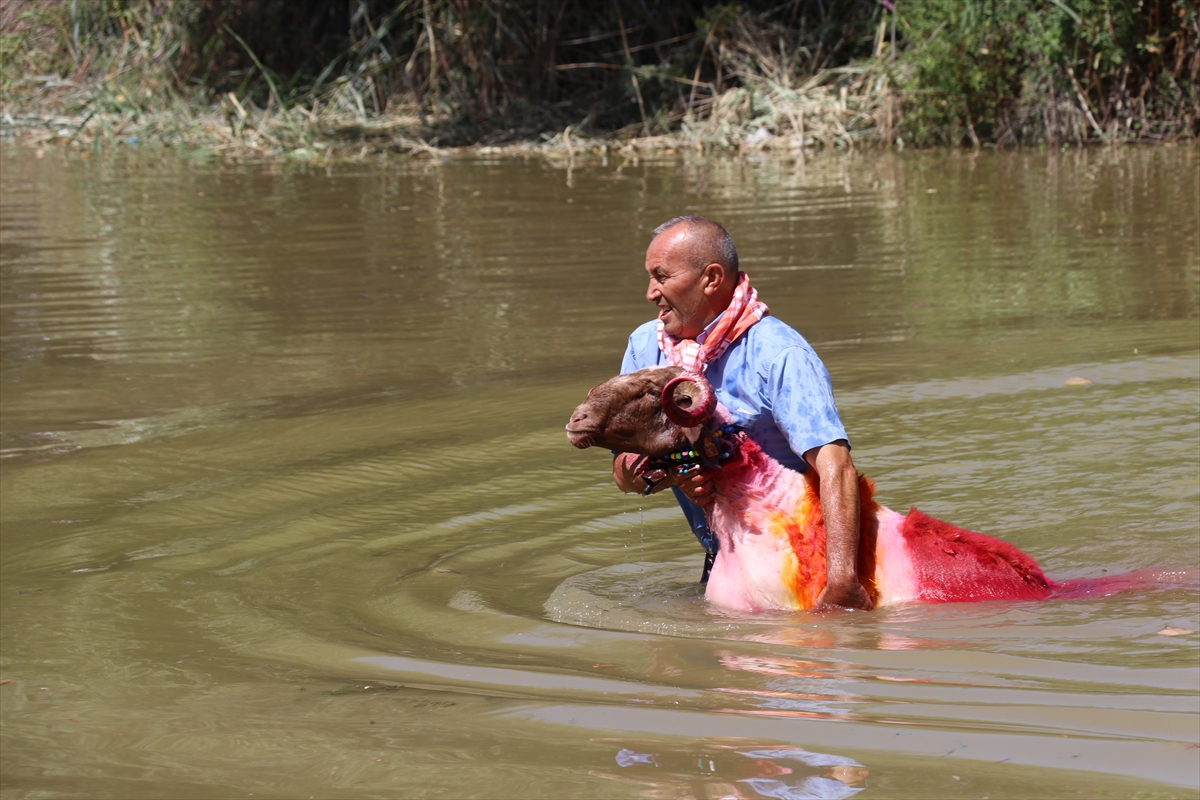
711,451
715,448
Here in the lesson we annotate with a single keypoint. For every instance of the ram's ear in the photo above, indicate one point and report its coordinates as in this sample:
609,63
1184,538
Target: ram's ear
693,434
688,401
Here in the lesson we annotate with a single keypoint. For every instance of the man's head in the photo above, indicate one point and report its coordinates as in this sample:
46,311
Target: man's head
693,269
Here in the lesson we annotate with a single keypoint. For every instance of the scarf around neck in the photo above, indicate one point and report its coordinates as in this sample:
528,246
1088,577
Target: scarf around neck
744,310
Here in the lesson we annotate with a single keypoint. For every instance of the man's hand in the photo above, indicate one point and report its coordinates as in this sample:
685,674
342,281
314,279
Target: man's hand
849,594
627,478
697,485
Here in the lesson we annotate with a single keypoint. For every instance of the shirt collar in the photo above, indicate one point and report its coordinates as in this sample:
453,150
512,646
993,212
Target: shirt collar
708,329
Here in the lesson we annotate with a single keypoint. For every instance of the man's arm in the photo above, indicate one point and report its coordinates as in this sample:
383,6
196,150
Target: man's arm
839,504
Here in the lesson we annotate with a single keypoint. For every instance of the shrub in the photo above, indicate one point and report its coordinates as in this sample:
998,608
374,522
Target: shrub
1015,71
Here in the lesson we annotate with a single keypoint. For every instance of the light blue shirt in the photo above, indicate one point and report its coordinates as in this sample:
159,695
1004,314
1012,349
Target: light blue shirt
771,381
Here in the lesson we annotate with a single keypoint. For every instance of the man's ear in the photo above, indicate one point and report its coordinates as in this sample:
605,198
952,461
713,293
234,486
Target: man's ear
713,278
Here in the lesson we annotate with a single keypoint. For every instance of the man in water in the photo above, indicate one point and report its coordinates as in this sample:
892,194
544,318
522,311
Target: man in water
711,322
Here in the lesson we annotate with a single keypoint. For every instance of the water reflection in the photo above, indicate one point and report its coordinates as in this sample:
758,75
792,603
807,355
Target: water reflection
786,773
269,285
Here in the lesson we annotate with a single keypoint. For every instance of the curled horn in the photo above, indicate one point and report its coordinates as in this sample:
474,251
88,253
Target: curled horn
688,400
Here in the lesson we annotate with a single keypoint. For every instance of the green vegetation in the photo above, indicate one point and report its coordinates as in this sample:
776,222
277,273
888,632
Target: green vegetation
311,75
1010,71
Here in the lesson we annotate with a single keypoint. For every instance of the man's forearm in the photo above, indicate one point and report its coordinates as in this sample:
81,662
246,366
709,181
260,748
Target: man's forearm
839,506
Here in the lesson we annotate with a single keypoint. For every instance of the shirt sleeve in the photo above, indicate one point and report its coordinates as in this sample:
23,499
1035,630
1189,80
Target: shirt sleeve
801,397
628,362
642,349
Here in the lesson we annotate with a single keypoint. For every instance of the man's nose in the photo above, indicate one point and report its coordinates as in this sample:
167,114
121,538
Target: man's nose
652,292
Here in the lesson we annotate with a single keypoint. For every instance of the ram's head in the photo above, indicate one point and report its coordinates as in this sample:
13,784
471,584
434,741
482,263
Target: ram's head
652,411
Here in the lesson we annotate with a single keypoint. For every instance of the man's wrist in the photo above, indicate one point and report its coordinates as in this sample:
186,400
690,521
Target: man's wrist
841,578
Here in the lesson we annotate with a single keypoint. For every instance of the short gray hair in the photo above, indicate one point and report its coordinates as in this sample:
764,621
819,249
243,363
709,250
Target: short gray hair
717,239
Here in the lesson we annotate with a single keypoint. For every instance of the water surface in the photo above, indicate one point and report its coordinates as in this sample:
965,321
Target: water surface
288,509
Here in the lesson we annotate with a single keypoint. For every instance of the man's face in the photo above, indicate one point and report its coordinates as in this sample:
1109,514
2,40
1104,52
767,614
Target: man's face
676,287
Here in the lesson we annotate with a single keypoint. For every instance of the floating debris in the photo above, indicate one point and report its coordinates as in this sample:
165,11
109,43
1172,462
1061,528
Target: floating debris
368,688
1171,630
434,704
1078,381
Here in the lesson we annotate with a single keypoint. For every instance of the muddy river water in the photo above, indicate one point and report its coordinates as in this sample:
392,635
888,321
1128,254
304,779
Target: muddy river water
288,509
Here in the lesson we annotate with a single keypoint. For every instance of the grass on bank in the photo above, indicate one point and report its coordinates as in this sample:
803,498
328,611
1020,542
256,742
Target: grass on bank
315,79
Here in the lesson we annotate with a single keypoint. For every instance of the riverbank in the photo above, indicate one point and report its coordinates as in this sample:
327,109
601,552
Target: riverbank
836,109
238,79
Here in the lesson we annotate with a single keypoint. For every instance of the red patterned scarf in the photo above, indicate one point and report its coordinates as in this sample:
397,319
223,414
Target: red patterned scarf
744,310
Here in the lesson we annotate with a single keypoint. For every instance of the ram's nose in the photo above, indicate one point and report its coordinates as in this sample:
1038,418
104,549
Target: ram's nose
579,429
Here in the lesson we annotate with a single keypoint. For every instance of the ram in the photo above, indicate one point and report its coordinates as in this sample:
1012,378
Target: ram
768,518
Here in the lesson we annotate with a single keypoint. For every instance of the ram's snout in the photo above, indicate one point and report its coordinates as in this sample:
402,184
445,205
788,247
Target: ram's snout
579,429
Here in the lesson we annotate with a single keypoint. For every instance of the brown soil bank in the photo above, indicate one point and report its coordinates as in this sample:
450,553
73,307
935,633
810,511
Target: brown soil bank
314,77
